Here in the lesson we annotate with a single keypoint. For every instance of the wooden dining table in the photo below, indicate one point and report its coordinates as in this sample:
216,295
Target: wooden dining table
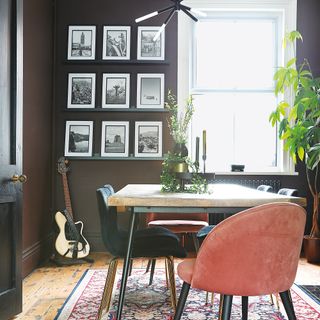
220,198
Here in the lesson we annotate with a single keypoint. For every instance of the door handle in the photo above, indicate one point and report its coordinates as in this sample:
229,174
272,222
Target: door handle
16,178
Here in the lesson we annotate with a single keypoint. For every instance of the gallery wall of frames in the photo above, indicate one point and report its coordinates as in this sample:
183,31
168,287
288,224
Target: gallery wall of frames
115,90
123,91
111,81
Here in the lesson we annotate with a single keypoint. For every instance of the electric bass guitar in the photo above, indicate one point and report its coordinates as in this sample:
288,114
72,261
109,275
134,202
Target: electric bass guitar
70,242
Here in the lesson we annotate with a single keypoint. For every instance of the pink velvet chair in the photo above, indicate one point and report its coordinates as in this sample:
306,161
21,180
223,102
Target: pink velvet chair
252,253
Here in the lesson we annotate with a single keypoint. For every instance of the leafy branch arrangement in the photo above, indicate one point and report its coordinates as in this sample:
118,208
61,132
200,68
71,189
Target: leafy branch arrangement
299,122
178,127
178,123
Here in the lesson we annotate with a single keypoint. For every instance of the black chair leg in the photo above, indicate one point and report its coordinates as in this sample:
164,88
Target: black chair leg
153,265
130,267
148,265
226,307
182,300
195,242
288,306
244,306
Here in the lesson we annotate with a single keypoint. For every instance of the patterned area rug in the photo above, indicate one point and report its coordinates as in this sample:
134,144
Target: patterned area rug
153,302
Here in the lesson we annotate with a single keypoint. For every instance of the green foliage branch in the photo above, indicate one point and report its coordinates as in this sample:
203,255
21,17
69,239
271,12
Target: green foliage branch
178,122
178,126
299,122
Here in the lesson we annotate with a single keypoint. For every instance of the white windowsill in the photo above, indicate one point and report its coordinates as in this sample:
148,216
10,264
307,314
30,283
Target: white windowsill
244,173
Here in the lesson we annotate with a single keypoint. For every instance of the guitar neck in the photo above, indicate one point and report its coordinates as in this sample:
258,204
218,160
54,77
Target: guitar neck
66,193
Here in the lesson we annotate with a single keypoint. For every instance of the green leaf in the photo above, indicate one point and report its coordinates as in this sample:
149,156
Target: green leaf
291,62
301,153
282,106
313,159
285,135
294,35
293,113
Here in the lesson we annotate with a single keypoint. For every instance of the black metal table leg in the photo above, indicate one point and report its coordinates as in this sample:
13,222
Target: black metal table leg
126,265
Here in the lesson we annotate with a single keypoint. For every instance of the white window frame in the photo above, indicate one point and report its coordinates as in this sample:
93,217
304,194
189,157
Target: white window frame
287,9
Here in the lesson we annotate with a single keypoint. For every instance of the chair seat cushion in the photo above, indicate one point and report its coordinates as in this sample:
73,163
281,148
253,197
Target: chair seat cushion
202,233
180,226
156,242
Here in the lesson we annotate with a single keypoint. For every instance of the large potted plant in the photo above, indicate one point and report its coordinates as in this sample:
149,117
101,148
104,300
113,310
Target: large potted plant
299,126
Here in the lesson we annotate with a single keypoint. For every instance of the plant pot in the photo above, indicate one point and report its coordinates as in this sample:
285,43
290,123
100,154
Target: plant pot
180,149
180,167
311,248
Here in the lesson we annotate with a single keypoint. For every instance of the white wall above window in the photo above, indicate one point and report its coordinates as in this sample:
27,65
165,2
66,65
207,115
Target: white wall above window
227,60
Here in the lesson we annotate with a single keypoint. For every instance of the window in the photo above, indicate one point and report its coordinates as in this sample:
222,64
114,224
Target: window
234,54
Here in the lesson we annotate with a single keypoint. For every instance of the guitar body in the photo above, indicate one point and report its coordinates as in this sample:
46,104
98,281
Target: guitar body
70,242
65,243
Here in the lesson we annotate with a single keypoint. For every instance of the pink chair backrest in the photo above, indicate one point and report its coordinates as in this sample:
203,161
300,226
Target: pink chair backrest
254,252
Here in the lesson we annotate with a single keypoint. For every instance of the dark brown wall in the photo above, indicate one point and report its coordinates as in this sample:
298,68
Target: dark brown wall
87,175
37,130
308,24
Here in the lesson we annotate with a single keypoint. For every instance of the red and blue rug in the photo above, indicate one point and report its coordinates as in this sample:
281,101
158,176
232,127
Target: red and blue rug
153,302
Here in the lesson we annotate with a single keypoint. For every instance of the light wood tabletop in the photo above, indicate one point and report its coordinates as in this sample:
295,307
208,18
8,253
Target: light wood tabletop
219,195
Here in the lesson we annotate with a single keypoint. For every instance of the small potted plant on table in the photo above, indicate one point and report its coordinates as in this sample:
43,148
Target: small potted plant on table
177,164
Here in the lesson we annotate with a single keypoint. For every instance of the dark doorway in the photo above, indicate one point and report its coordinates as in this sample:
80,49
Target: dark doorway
10,157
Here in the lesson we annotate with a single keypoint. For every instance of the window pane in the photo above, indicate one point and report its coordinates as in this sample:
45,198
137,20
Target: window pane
235,53
238,130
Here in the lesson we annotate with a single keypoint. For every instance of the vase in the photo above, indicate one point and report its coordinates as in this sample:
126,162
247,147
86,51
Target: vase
180,149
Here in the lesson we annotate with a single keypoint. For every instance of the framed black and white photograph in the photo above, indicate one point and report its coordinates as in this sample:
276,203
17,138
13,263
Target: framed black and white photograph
116,43
115,90
81,90
82,43
78,138
148,139
115,139
150,90
147,49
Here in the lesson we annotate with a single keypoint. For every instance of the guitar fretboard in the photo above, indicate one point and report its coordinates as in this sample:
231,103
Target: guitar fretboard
66,193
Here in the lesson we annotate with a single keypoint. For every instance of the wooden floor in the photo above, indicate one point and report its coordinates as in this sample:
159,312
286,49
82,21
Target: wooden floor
46,289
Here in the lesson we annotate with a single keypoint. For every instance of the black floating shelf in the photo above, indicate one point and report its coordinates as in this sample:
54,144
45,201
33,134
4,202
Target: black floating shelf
117,158
115,62
116,109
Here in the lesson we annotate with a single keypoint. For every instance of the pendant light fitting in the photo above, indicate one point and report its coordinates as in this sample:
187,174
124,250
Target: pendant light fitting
177,6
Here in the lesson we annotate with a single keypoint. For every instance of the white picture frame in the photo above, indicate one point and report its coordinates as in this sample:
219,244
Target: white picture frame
116,43
82,42
147,49
115,90
78,138
81,90
115,139
150,90
148,139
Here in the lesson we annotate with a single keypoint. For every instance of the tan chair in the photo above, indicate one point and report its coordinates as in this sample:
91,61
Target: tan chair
180,224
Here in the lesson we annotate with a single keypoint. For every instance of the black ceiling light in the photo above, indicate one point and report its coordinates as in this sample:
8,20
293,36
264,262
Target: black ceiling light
177,6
